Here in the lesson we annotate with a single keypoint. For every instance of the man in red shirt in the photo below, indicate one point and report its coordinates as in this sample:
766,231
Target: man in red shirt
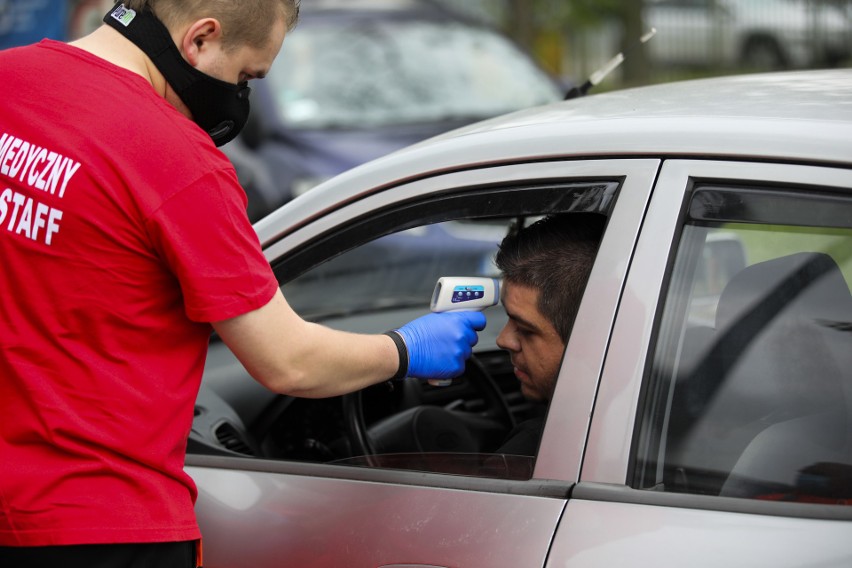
124,241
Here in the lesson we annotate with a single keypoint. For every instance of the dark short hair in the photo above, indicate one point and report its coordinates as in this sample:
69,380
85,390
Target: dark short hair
554,256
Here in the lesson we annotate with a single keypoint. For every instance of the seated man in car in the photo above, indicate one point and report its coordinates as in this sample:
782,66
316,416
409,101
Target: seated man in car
545,267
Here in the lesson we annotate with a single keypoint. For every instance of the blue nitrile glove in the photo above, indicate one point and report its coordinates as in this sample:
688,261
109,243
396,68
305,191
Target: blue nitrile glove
439,343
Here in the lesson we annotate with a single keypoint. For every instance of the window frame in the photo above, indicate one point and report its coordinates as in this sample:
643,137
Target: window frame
315,218
618,411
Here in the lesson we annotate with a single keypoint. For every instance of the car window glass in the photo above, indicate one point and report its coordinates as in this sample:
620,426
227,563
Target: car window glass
749,393
377,73
396,271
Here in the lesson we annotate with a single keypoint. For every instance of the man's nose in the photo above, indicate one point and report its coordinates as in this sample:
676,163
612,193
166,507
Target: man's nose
507,340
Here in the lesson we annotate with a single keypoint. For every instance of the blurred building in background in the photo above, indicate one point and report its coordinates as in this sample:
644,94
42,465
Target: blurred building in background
28,21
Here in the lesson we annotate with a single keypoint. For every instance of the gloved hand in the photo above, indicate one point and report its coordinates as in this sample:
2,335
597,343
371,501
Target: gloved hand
439,343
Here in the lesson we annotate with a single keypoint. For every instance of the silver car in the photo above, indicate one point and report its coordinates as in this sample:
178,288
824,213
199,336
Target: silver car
703,412
750,34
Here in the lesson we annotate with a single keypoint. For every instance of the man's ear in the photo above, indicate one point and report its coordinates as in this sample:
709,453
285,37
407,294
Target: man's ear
198,38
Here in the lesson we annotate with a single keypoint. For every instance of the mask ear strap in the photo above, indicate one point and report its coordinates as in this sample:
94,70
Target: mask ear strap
218,107
151,36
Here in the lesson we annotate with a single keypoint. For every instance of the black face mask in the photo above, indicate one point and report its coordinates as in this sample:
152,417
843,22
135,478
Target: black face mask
219,107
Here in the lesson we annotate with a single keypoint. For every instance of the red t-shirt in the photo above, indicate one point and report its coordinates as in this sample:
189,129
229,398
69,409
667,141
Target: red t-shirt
123,232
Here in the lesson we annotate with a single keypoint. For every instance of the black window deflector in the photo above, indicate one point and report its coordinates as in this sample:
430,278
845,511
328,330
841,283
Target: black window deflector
809,208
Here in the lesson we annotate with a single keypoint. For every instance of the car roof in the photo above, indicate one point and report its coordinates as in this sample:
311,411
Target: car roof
796,116
774,115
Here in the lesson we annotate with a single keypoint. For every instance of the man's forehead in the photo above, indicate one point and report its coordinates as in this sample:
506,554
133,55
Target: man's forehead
521,303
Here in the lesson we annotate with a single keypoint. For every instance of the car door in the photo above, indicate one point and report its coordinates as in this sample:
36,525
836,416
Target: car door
271,511
724,440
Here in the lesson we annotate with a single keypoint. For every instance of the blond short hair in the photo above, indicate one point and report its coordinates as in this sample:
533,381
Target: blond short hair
244,22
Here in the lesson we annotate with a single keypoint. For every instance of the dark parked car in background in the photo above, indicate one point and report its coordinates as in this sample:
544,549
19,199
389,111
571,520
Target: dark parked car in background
358,79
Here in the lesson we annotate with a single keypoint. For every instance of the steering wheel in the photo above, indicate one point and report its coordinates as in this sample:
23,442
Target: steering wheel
424,428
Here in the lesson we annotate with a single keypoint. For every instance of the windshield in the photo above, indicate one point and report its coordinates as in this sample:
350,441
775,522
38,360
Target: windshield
388,73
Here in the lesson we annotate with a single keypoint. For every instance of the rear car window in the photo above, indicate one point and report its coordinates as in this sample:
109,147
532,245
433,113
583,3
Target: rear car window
749,391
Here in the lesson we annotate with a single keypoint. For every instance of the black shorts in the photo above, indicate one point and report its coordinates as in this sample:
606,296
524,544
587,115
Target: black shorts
142,555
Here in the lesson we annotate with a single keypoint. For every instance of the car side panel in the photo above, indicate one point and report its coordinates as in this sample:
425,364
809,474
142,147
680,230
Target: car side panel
268,520
598,534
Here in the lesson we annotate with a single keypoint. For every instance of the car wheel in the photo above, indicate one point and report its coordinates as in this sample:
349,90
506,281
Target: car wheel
763,54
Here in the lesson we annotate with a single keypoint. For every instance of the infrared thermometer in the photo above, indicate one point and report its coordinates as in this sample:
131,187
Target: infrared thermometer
460,293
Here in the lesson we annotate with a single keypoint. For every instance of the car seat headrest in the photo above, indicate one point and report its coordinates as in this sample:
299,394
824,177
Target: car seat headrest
809,284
